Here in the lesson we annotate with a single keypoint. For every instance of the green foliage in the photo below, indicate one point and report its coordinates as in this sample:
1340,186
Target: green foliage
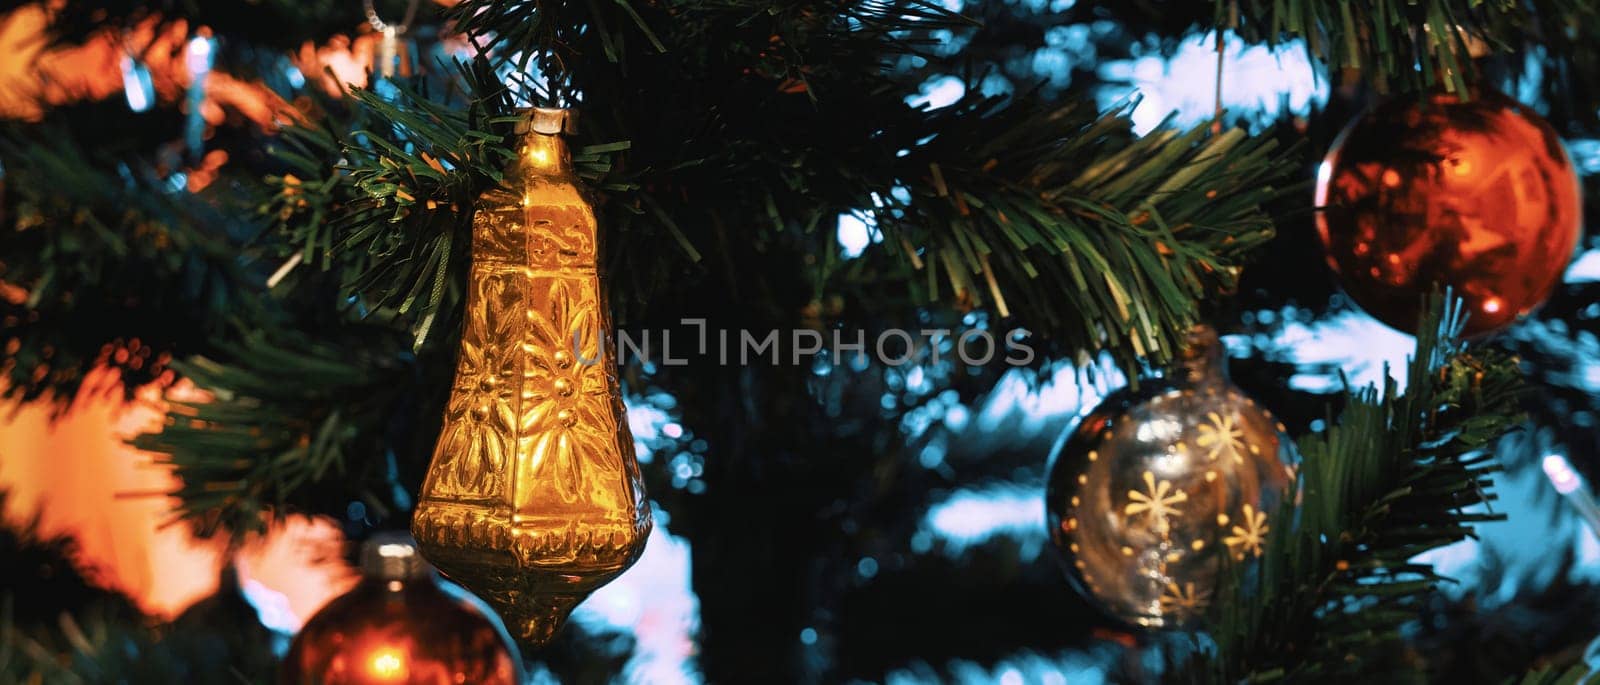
722,138
1395,476
109,265
1096,237
557,37
1406,45
126,271
1092,236
393,217
292,425
1555,676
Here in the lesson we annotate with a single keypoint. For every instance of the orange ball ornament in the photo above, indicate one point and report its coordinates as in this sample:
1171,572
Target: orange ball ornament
1477,195
401,626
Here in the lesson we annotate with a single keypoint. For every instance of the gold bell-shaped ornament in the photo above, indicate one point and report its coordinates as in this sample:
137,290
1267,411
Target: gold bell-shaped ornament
534,496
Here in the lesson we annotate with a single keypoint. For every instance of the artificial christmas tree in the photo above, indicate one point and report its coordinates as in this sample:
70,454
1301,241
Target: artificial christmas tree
866,259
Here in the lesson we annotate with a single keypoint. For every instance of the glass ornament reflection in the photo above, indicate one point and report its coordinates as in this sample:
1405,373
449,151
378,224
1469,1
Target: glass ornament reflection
1153,487
1479,195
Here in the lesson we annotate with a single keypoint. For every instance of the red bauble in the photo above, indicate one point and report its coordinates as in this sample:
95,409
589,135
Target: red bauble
401,625
1479,196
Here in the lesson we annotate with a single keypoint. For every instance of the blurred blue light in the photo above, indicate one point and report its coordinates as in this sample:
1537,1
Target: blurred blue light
939,91
956,418
1259,82
272,610
856,231
1584,269
1585,155
655,603
136,84
1349,341
973,516
867,567
1079,667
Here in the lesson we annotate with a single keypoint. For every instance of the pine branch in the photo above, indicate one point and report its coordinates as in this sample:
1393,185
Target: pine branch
1404,45
290,426
393,218
1091,235
107,264
557,37
1573,675
1087,233
127,271
47,599
1397,475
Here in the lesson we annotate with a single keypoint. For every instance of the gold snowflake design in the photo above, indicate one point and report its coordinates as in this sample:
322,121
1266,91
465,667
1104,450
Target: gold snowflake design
1219,435
1158,503
1248,537
1182,600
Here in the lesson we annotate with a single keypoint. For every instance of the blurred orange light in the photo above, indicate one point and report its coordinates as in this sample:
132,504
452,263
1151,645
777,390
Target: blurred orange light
388,663
76,472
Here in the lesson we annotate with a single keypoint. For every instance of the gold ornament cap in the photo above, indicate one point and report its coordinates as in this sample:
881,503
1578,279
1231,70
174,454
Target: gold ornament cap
547,120
392,556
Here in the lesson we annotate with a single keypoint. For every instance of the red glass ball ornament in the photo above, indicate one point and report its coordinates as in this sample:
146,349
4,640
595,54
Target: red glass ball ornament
402,625
1477,195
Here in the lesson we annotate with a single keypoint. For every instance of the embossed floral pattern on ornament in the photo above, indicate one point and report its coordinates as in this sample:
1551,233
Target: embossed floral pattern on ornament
573,456
481,415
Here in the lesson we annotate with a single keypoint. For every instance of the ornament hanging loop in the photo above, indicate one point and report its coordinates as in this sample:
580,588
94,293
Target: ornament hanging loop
381,26
1222,44
389,47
